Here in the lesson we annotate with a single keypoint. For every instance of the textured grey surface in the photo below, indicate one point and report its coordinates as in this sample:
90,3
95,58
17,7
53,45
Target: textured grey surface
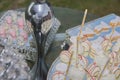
70,18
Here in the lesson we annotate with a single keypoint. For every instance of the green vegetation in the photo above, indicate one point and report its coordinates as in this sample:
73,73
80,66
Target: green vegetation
98,7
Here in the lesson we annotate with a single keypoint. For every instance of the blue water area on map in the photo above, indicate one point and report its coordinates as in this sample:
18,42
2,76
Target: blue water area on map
117,29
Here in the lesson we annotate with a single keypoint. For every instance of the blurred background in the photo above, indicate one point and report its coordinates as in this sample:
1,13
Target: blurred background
97,7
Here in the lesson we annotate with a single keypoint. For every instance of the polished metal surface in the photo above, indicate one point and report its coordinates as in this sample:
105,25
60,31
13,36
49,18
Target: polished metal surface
41,15
41,18
39,12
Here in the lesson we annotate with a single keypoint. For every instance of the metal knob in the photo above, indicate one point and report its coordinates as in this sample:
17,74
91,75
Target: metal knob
38,13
